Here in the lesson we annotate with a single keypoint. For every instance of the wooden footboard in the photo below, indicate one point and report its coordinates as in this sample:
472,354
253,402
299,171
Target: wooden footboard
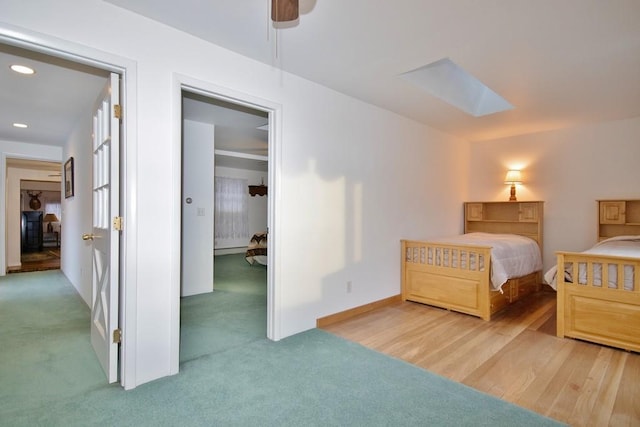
457,277
599,300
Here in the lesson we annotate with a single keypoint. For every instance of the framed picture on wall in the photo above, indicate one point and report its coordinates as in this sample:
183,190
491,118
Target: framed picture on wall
68,178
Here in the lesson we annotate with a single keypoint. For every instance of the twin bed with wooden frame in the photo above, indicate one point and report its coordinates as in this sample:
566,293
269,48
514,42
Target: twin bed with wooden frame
599,293
458,276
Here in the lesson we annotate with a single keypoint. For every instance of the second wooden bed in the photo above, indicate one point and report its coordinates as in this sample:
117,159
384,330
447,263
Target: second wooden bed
599,294
458,280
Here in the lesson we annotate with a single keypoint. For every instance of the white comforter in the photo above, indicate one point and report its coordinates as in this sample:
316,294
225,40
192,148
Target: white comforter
624,246
511,255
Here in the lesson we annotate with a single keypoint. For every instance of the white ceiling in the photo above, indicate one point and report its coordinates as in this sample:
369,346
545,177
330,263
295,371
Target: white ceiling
236,130
51,101
560,63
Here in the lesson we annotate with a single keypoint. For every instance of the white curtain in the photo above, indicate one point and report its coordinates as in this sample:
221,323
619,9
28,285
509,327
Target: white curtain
231,208
54,208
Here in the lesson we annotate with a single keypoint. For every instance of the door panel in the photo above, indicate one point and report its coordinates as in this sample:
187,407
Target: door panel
104,236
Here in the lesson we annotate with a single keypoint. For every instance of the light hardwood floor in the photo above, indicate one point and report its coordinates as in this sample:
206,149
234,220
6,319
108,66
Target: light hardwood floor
516,357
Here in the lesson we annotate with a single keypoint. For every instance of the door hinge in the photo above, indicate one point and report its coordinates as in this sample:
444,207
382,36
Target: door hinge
117,111
117,223
117,336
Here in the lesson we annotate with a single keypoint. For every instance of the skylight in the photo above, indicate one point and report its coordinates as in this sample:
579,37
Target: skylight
447,81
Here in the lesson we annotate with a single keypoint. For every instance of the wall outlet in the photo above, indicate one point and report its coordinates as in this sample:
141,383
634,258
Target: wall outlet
349,287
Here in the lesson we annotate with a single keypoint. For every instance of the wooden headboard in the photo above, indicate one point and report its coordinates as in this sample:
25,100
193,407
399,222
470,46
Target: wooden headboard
618,218
522,218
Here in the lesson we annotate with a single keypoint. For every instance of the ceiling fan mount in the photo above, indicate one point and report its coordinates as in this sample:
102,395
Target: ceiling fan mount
284,10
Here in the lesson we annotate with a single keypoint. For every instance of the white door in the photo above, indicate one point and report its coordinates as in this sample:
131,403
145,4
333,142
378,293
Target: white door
105,335
198,153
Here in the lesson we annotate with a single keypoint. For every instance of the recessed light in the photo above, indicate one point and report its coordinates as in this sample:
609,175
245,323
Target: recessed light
20,125
22,69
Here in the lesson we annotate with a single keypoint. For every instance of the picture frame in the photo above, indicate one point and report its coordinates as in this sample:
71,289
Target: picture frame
68,178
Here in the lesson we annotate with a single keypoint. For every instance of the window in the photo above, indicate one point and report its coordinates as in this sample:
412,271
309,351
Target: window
231,208
54,208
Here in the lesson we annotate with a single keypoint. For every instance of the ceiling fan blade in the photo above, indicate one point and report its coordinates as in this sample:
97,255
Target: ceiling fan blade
284,10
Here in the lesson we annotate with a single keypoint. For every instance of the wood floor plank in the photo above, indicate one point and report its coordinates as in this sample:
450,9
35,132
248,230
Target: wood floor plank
533,397
516,356
586,400
607,391
462,357
559,398
547,318
549,326
414,344
515,368
626,411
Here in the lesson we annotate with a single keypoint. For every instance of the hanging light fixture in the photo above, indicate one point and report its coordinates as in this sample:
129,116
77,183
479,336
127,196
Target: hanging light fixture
284,10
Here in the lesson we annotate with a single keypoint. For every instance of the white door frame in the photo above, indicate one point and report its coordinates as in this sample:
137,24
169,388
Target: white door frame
274,110
50,45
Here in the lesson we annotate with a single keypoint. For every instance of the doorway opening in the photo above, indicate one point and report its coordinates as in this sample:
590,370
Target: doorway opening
224,279
32,211
40,225
56,59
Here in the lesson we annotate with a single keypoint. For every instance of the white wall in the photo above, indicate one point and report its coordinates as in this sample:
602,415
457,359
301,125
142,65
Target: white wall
197,216
567,169
75,253
354,179
257,207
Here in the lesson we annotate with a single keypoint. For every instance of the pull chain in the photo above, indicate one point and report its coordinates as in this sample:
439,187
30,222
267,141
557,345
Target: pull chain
269,15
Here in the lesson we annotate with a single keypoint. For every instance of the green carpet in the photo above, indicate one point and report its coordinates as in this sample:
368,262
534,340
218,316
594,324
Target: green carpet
234,314
50,377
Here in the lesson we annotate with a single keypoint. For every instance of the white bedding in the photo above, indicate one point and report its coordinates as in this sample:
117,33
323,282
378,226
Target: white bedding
624,246
511,255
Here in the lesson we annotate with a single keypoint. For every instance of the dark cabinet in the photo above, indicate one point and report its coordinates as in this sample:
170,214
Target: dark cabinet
31,231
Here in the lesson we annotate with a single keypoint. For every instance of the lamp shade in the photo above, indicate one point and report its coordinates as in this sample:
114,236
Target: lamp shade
50,217
513,177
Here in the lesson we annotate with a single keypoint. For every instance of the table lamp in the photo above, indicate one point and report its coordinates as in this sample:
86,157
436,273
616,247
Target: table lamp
513,177
49,218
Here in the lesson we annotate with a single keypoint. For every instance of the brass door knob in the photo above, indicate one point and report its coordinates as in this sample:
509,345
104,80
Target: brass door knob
87,236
